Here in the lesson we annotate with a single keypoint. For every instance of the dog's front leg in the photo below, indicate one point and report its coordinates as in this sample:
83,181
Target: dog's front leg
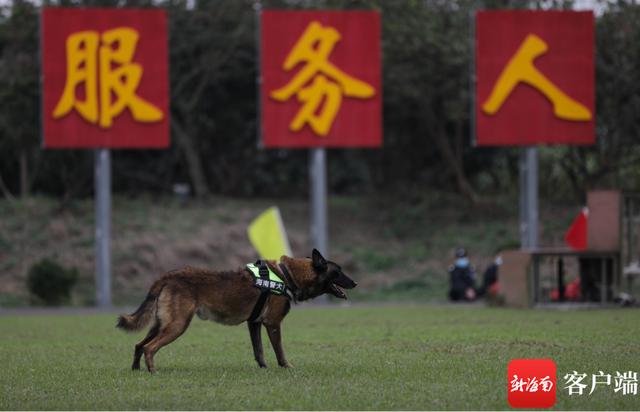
256,342
276,341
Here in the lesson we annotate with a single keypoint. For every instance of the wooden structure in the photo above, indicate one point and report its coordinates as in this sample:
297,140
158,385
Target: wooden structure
520,274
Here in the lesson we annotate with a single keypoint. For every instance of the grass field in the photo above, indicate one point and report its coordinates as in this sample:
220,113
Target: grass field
384,357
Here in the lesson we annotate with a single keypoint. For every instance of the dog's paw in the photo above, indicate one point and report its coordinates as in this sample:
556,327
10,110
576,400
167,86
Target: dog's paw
287,366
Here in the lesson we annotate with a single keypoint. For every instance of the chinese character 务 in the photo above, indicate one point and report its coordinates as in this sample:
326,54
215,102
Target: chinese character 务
519,69
318,81
106,68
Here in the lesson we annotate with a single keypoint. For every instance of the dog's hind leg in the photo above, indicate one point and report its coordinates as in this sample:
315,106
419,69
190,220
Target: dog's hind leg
137,354
256,342
276,341
167,334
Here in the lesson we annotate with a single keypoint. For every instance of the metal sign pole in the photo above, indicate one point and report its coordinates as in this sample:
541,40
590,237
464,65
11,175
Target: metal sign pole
318,177
103,226
257,7
529,198
532,197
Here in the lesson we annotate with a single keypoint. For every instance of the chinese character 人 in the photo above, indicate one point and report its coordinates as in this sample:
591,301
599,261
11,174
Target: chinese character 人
520,69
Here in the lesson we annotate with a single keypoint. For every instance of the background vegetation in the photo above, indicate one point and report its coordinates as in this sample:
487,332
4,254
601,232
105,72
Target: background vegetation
395,212
426,60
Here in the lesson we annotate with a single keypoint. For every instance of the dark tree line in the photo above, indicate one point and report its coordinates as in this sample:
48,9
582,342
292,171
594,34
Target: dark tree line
426,81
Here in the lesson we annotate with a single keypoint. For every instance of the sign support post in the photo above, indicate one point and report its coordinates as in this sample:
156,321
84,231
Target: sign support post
66,125
529,198
509,115
103,226
318,177
289,121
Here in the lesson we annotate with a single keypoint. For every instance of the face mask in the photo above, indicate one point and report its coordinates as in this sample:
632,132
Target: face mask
462,262
498,261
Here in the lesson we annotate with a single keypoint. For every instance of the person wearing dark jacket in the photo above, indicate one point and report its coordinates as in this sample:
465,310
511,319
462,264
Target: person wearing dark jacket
490,277
462,278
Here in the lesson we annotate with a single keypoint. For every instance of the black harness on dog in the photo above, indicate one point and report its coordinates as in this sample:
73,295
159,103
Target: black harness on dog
268,286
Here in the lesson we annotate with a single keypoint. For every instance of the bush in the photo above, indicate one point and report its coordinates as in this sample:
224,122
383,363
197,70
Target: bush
50,282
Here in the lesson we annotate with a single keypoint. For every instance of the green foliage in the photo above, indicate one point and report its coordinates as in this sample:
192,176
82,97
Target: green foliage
50,282
425,287
361,358
374,260
426,61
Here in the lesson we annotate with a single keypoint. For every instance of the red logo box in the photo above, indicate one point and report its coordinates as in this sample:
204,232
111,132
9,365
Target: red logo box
531,383
561,49
105,78
348,41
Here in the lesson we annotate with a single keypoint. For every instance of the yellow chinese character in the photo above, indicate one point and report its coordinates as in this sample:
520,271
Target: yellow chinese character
81,68
313,49
118,77
521,69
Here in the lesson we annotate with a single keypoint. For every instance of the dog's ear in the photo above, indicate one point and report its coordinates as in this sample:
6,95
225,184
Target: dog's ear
318,261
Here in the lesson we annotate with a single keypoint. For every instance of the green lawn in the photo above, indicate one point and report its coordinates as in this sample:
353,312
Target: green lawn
395,357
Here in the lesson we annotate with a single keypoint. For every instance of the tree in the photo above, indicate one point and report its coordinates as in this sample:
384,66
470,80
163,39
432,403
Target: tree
612,162
19,92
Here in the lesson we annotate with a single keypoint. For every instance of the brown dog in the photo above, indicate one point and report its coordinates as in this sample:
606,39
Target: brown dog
230,298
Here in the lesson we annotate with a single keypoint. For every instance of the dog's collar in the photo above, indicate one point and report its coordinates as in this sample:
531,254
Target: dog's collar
295,292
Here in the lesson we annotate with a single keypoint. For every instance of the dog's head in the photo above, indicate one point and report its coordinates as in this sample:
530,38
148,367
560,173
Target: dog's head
316,276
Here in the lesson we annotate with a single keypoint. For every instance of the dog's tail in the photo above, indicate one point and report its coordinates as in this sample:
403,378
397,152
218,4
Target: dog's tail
141,317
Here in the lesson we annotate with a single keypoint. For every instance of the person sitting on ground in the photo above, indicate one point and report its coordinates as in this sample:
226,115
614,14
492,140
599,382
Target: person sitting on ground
490,277
462,278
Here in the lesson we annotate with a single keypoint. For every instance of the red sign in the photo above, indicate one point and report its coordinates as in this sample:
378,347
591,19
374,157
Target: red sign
535,78
105,78
531,383
321,79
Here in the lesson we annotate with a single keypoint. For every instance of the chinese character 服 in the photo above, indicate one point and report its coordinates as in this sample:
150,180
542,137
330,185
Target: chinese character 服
318,82
626,382
105,69
573,382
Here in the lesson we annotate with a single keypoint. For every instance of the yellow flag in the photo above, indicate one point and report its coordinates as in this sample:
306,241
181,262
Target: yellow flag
267,235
